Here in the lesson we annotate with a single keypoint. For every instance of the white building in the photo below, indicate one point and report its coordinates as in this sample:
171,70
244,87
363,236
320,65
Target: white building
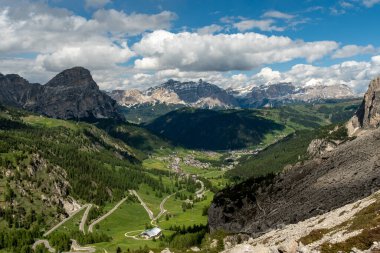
151,233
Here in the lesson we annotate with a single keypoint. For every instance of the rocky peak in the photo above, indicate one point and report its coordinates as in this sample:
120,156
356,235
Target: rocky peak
77,76
368,114
72,94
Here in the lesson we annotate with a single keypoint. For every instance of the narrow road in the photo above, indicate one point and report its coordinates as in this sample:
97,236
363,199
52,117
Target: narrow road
91,226
45,243
150,213
162,208
75,247
84,219
199,193
63,221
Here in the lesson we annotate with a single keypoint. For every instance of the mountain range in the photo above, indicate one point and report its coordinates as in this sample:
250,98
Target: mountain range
205,95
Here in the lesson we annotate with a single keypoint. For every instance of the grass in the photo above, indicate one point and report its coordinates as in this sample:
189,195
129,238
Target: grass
72,224
49,122
188,218
313,236
148,195
128,217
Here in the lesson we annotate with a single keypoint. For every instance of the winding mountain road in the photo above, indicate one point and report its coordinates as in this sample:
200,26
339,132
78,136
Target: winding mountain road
75,247
45,243
150,213
84,219
200,192
64,220
91,226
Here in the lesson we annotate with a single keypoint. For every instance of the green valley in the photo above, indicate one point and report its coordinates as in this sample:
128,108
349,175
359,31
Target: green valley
128,180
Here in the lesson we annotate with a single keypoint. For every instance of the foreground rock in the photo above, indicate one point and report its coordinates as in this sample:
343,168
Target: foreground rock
327,229
72,94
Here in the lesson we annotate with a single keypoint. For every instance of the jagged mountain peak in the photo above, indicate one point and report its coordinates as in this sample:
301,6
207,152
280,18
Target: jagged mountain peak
71,94
77,76
368,114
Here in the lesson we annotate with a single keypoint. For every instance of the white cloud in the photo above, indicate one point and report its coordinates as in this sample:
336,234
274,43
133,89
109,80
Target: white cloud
370,3
210,29
352,50
89,55
96,3
222,52
119,22
46,29
352,73
263,25
278,15
54,39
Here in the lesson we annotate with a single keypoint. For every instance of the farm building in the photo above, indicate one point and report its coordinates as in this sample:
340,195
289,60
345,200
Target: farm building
151,233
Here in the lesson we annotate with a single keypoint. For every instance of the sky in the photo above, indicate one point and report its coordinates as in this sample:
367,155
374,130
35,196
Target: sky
241,43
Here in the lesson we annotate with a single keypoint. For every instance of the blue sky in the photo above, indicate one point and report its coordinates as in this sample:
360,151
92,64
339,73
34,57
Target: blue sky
140,43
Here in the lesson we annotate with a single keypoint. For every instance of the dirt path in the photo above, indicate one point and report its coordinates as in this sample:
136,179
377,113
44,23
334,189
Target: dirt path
91,226
63,221
75,247
150,213
84,219
200,192
45,243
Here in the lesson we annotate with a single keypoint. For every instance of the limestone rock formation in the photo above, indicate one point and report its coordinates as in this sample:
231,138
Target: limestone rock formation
368,114
72,94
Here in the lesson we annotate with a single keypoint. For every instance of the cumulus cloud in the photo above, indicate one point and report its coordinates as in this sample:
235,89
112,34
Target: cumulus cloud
90,55
222,52
352,50
355,74
96,3
352,73
59,39
119,22
47,29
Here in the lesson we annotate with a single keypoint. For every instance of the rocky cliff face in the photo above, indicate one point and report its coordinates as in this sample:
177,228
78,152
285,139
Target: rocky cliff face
341,176
368,114
17,92
72,94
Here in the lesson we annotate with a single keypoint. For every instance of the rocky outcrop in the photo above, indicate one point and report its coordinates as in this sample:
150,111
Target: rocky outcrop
72,94
368,114
347,173
319,147
15,91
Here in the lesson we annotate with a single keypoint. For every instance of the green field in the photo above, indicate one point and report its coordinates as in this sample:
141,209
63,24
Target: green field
129,217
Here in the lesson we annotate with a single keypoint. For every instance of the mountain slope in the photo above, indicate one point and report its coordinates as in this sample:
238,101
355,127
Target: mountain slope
346,173
72,94
234,129
217,130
